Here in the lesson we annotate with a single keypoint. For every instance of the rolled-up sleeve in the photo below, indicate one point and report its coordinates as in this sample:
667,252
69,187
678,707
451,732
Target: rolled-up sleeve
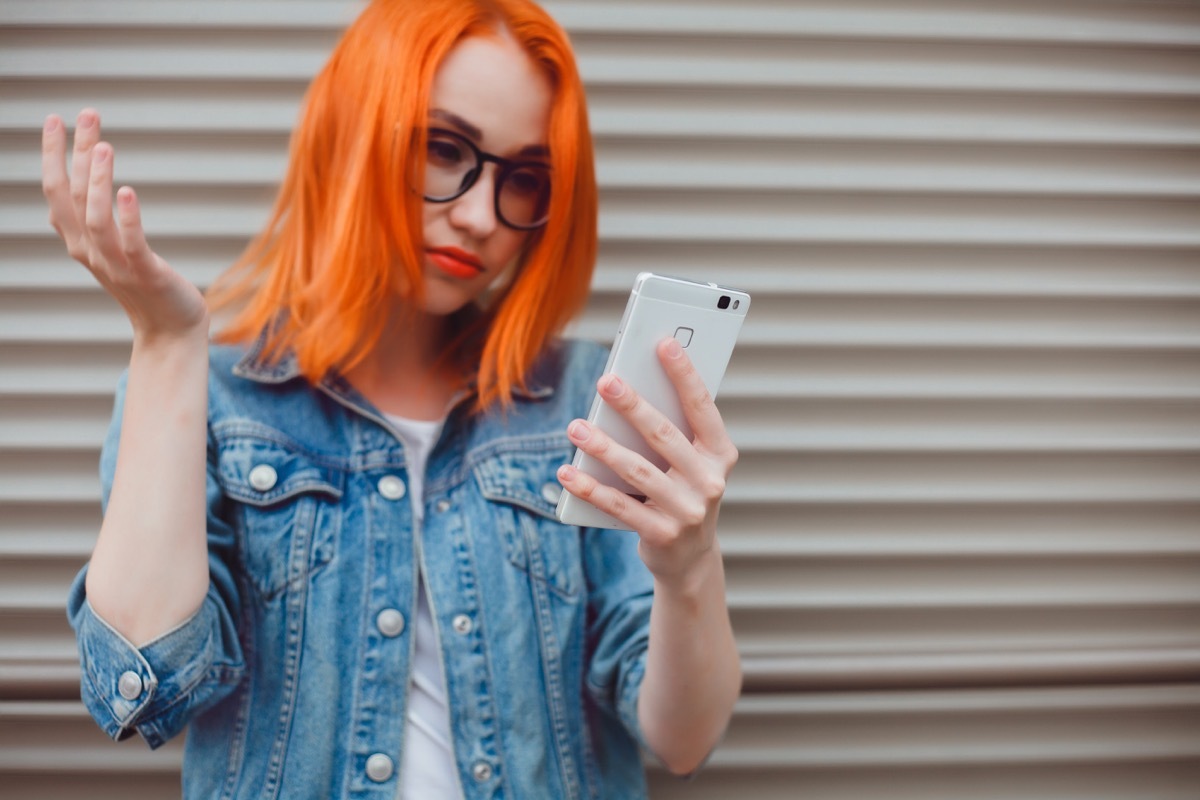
156,689
621,592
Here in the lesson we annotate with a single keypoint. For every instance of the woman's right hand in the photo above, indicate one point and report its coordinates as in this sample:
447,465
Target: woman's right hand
161,304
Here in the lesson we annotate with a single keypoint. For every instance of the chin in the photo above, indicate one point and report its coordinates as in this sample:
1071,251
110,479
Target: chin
442,299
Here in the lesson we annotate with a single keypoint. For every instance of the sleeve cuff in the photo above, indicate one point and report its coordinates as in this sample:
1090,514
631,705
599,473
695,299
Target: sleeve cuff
627,702
627,707
128,689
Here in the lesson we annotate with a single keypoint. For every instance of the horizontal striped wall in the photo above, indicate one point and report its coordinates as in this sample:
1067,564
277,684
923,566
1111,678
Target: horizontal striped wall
963,541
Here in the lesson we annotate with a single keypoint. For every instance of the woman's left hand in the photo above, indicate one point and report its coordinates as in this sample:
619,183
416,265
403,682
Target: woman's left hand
678,521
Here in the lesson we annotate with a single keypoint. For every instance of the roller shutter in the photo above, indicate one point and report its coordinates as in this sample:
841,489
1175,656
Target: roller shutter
963,541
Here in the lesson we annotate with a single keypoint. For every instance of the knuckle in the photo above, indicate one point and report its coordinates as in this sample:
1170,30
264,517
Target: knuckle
663,433
599,445
670,535
639,473
702,402
713,488
616,504
684,371
631,400
585,489
693,516
731,459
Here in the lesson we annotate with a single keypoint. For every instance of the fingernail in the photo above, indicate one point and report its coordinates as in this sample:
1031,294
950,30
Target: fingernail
579,431
86,120
125,196
615,386
673,348
566,473
51,124
100,153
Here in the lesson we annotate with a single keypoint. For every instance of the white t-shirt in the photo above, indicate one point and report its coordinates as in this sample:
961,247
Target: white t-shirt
427,768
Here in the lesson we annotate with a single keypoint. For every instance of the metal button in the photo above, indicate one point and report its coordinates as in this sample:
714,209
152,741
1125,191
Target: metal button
462,624
379,767
482,771
442,506
390,622
130,685
263,477
392,487
550,492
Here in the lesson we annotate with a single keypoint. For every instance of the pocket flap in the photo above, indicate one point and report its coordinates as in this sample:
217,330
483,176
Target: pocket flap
524,478
262,472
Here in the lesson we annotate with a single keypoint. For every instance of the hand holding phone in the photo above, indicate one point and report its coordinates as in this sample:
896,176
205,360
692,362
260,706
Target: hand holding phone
705,318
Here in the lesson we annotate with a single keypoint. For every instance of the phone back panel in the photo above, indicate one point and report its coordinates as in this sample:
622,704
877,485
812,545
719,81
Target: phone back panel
658,308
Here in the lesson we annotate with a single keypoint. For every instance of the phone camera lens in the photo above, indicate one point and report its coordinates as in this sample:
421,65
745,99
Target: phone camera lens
723,302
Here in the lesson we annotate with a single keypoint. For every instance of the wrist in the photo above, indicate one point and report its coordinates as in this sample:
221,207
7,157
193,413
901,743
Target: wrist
165,343
697,580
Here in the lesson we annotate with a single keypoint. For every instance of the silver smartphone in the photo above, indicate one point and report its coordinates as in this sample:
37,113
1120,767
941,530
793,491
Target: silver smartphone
706,319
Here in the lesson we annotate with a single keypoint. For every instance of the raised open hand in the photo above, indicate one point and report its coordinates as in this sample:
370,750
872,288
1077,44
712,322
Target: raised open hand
160,303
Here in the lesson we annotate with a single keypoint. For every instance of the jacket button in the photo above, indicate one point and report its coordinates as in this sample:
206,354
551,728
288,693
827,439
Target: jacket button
379,767
550,493
442,506
130,685
263,477
482,771
390,623
462,624
391,487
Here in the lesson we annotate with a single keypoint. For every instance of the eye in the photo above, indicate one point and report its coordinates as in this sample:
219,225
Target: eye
528,181
443,151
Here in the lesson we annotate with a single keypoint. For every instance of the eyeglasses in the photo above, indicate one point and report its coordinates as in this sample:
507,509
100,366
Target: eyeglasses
453,164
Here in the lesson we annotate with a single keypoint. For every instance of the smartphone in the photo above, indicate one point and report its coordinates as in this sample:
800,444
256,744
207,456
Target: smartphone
706,319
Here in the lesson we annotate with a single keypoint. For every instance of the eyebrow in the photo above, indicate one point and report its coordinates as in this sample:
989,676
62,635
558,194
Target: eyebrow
476,135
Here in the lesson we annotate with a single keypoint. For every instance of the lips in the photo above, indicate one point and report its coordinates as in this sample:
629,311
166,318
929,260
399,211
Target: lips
455,262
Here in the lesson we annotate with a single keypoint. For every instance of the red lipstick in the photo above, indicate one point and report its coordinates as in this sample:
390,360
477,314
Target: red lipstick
455,262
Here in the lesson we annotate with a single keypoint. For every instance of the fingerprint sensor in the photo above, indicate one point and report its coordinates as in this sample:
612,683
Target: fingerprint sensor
684,335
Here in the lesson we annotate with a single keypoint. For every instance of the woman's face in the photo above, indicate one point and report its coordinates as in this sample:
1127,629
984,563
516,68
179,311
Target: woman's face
491,92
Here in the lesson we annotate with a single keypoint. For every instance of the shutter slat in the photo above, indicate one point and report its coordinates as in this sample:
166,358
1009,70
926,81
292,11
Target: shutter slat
962,539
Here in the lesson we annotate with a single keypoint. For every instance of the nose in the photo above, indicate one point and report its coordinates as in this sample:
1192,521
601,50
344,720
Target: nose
475,211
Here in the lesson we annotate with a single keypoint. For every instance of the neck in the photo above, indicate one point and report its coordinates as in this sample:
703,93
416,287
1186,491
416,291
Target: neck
407,373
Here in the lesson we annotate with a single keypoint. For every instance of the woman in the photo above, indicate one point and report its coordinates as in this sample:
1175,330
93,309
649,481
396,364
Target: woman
328,543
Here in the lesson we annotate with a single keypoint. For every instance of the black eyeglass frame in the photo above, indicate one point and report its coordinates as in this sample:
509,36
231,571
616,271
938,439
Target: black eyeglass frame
505,167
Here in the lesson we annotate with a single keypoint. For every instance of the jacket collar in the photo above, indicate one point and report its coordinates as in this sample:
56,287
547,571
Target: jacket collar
255,366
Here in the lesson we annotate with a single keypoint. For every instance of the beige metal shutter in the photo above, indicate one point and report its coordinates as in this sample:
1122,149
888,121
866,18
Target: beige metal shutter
963,541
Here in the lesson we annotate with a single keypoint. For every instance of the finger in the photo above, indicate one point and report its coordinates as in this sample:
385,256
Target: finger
98,214
55,184
636,516
132,235
87,134
663,436
698,406
636,470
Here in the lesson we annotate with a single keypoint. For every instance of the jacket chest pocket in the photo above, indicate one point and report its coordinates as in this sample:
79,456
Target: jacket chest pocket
286,502
521,488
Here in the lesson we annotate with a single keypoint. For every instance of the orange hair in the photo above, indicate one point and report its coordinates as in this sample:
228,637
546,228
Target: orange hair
344,239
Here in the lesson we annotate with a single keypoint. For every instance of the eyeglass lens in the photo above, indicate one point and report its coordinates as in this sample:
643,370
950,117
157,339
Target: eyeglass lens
453,164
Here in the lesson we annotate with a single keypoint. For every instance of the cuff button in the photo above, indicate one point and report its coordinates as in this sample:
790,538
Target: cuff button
130,685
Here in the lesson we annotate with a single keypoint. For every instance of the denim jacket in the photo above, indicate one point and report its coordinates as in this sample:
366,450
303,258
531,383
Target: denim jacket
292,677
